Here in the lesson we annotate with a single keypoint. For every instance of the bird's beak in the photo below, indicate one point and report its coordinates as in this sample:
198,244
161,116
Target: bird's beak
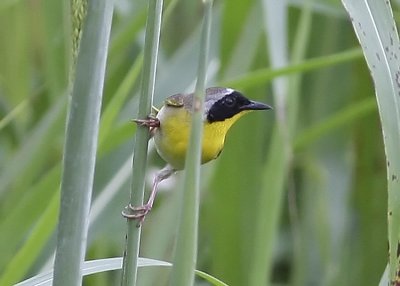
254,105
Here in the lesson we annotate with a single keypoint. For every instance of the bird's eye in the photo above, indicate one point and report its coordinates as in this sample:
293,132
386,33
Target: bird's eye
229,101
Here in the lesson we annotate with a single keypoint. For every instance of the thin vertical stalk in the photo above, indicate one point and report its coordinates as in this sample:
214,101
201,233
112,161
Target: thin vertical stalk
277,167
81,144
153,25
186,243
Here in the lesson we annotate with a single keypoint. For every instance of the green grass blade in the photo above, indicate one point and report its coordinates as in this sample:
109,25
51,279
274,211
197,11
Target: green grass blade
277,166
339,120
26,212
114,106
92,267
81,144
232,30
186,242
13,114
57,49
259,77
31,155
376,30
385,277
109,264
153,26
23,259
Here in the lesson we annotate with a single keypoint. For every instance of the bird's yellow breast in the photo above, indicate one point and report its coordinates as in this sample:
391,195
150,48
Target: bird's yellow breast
172,137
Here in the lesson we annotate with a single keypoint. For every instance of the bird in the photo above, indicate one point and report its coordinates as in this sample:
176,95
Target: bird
170,130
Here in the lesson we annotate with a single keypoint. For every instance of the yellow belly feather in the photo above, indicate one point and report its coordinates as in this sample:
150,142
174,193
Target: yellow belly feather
172,137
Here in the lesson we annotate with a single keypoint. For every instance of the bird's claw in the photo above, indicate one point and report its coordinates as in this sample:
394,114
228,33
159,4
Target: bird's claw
150,122
136,213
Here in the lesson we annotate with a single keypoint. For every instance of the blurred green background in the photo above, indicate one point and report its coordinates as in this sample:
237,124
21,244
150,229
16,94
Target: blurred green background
330,210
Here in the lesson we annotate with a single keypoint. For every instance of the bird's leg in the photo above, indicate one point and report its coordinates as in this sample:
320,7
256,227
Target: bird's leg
139,213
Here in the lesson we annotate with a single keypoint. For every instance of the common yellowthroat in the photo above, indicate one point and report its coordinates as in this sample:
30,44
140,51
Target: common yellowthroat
171,130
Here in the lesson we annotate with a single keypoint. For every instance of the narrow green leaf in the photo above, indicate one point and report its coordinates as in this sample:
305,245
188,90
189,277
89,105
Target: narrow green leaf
114,106
186,242
109,264
277,166
27,159
153,26
91,267
81,144
341,119
235,14
26,212
26,255
13,114
57,46
259,77
376,30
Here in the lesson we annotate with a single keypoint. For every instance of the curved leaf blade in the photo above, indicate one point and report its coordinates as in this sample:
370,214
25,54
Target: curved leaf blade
109,264
376,30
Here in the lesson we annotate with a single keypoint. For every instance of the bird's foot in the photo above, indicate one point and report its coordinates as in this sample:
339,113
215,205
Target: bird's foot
137,213
151,122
